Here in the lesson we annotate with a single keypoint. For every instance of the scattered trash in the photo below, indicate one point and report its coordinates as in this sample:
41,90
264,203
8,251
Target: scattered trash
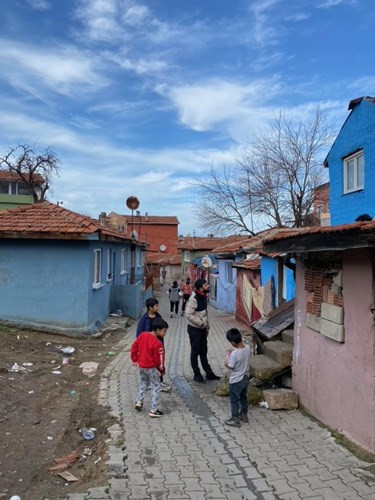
64,462
65,361
68,476
27,364
50,438
111,353
88,434
31,392
15,497
53,421
115,315
48,343
18,337
73,392
98,460
87,451
89,368
56,372
67,350
17,368
263,404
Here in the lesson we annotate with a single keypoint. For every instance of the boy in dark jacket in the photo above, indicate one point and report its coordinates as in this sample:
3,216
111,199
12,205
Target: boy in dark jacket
146,321
147,352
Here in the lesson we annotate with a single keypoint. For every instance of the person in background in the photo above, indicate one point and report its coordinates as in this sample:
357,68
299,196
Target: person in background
238,362
163,275
147,352
186,290
174,298
198,328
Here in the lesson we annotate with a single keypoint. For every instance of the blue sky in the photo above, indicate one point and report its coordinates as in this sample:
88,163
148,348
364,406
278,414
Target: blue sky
138,97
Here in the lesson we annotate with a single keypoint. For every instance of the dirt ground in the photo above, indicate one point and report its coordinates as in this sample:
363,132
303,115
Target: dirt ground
41,413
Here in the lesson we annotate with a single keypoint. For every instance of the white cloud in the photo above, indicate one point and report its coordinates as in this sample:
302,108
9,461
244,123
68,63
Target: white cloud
141,66
364,85
136,15
208,105
326,4
263,30
39,4
59,68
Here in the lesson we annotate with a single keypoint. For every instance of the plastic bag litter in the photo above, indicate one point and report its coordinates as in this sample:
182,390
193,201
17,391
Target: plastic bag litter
263,404
67,350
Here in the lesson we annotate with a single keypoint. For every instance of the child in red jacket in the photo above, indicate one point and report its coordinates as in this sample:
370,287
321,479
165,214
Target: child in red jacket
147,352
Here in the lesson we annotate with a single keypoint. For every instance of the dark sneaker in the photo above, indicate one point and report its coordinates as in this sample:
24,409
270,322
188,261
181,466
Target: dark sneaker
212,376
199,379
244,418
156,413
233,422
138,405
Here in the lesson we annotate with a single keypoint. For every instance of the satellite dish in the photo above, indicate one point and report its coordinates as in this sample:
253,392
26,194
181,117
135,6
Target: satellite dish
162,248
206,262
132,203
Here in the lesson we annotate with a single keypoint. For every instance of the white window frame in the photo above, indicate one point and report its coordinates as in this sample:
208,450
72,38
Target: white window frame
138,257
354,156
97,268
109,264
229,272
187,256
123,261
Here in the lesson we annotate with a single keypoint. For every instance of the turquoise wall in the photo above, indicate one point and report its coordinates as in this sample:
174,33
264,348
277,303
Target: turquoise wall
47,284
357,133
269,269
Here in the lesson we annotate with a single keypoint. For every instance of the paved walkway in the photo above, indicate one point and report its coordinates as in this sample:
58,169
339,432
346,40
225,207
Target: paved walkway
190,454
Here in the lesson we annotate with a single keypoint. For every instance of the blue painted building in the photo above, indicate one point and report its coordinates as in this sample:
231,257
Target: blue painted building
351,161
63,272
284,288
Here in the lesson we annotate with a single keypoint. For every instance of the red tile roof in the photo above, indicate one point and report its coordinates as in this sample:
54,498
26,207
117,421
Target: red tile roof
233,246
199,243
7,175
148,219
295,233
163,258
52,221
248,264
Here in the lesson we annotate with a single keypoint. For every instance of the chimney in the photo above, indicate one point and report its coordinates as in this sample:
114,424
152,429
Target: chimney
146,217
103,219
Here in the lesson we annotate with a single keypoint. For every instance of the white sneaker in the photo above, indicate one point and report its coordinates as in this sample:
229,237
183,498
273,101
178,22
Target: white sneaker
165,387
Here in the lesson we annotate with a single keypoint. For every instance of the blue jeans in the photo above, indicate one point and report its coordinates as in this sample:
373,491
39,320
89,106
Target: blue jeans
238,397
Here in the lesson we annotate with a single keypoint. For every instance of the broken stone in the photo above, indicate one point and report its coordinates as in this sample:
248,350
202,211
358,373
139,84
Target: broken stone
281,399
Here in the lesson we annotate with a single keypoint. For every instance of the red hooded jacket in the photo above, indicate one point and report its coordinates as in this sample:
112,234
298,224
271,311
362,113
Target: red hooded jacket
148,352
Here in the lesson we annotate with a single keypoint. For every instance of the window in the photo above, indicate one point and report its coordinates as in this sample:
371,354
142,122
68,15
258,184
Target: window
187,256
4,187
23,188
354,168
123,261
109,264
97,268
228,272
139,258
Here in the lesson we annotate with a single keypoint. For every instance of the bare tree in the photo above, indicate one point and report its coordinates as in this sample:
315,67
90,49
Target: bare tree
220,204
283,166
33,167
274,180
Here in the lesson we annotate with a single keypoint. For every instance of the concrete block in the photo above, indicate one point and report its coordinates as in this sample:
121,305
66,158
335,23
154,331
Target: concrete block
262,367
281,399
333,313
279,351
288,336
332,330
312,322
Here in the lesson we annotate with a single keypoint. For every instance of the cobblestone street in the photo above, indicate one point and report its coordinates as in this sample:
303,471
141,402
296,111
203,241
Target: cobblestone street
190,454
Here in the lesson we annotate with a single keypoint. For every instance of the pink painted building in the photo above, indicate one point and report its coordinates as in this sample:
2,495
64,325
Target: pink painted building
334,335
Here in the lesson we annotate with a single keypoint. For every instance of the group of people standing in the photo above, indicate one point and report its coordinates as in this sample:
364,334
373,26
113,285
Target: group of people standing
178,292
148,353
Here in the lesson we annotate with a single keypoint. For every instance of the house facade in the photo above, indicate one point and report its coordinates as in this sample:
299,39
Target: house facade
159,232
13,191
334,334
64,272
350,163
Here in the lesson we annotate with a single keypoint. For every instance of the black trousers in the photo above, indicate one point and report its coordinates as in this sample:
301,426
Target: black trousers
185,299
198,343
174,305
